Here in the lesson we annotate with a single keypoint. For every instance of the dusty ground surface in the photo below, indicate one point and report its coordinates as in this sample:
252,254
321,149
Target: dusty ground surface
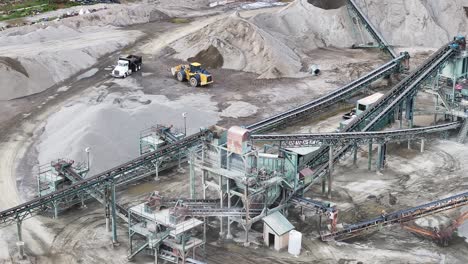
92,109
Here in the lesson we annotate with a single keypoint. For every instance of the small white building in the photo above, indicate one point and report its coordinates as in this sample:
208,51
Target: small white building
276,231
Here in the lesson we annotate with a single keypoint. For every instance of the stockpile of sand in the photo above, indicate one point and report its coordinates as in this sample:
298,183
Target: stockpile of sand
272,45
278,44
110,122
243,46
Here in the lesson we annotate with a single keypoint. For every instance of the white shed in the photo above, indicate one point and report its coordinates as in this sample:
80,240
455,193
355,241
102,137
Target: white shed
276,231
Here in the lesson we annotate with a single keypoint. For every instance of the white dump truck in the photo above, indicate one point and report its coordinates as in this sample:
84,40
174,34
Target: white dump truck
127,65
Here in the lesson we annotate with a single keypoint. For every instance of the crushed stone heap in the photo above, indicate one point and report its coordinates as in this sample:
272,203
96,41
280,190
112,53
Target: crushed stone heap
277,44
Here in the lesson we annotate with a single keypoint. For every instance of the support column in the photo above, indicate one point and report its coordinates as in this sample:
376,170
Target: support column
369,156
319,223
156,169
384,155
355,154
247,215
203,246
229,235
20,242
83,205
246,241
379,157
302,216
156,253
221,232
55,205
107,208
192,177
204,172
400,115
114,218
324,182
130,235
179,156
422,145
410,116
330,171
204,183
410,111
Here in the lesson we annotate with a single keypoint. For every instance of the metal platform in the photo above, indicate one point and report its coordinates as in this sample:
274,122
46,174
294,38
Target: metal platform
163,217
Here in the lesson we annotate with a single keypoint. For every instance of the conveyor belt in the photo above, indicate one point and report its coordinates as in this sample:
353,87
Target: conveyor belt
328,99
321,207
216,211
403,90
379,111
371,28
190,202
336,139
398,217
122,173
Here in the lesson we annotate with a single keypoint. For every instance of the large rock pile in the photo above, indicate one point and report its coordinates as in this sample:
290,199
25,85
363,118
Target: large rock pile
278,44
426,23
272,45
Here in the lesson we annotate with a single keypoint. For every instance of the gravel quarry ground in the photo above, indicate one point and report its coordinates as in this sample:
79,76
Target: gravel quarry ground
84,106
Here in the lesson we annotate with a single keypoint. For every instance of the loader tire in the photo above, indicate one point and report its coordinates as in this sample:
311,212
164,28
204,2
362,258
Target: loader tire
180,76
194,81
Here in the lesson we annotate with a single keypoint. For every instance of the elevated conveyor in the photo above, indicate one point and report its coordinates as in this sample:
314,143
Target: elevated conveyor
398,217
342,138
379,113
318,206
383,44
125,173
221,212
405,89
327,100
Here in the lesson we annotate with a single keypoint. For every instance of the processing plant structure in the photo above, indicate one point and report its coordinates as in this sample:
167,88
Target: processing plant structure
243,175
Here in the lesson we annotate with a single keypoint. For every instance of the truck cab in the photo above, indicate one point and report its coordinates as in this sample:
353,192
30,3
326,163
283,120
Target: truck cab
126,66
121,70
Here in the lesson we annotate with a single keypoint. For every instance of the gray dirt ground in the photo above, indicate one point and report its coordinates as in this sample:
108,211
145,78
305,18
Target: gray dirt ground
27,125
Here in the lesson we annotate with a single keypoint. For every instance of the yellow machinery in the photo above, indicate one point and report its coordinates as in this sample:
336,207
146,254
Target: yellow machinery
192,73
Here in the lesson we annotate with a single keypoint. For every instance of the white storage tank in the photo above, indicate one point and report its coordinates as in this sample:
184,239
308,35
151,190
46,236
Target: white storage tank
295,243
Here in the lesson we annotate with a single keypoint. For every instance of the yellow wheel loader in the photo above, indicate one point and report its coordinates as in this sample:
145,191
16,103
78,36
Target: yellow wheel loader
193,72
